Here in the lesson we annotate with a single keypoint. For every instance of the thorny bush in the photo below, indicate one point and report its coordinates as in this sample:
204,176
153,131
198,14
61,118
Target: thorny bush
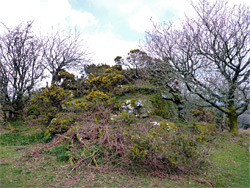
48,103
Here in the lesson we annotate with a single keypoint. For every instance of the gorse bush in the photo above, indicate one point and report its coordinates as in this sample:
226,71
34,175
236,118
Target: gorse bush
107,80
159,148
131,142
48,103
97,95
203,115
68,80
76,105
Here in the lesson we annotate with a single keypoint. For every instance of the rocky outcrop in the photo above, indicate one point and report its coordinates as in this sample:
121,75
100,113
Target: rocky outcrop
145,101
141,108
244,120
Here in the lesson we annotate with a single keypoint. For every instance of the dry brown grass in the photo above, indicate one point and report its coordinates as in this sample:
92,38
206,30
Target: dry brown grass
244,131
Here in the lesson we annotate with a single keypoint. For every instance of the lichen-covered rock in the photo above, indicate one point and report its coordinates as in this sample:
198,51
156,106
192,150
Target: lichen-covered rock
145,101
244,120
166,109
141,108
162,126
61,123
149,106
166,95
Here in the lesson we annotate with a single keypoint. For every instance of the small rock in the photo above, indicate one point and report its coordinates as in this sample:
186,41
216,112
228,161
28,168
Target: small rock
17,149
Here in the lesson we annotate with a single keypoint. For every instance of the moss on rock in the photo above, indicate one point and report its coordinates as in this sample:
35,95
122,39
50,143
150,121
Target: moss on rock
140,107
131,89
148,106
161,127
61,123
165,108
205,129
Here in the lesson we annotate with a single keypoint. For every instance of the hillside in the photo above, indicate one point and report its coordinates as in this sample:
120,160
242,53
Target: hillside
112,129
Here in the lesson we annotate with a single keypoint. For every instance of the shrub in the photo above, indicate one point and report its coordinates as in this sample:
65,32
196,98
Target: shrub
61,123
124,118
48,103
97,95
68,80
205,130
107,80
95,69
203,115
76,105
161,149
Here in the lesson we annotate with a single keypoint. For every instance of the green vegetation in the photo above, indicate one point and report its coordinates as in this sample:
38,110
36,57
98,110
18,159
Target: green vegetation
43,164
133,129
15,139
142,126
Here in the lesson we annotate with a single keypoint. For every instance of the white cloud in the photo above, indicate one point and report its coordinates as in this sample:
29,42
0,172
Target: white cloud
58,13
106,46
140,21
45,13
81,19
129,6
103,42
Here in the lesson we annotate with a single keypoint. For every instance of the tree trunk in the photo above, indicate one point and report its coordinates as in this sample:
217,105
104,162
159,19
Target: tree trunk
233,123
55,78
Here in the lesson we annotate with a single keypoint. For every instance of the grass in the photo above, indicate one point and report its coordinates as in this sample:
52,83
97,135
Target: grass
231,161
32,167
15,139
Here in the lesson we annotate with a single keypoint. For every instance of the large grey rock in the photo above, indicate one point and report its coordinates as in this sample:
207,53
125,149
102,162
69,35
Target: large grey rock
244,120
141,108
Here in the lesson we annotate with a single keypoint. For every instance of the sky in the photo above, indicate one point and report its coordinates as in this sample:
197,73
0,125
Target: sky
110,27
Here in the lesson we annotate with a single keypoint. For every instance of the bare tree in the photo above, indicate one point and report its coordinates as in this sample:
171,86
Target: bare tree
136,60
21,66
210,54
63,51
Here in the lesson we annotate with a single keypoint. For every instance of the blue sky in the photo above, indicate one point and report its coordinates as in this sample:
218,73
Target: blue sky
110,27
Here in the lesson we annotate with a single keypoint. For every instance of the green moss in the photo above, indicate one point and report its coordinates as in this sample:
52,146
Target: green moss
61,123
233,123
148,105
163,126
205,129
165,108
131,89
139,107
